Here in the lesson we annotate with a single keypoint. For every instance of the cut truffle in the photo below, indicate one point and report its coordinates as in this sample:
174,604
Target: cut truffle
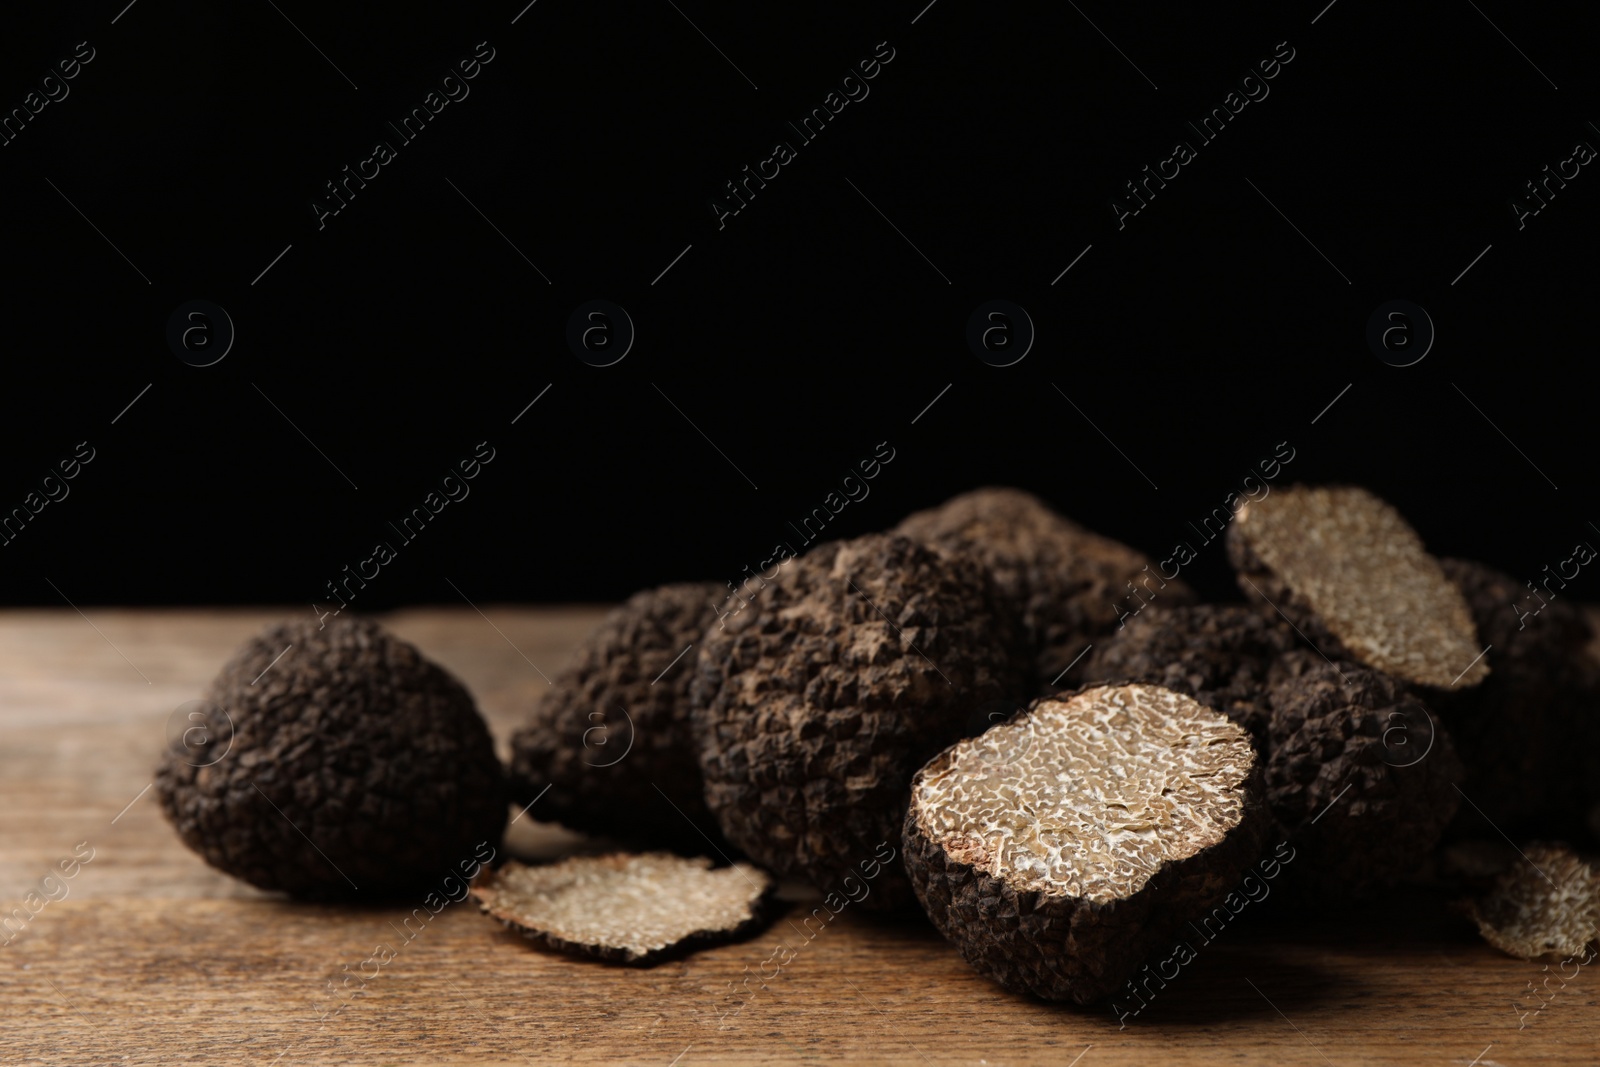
1067,585
1361,775
1352,575
609,749
1525,734
1547,908
353,765
1217,653
1059,850
815,705
628,908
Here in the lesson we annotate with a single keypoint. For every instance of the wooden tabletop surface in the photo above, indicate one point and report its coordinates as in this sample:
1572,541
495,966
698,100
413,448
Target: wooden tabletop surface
152,957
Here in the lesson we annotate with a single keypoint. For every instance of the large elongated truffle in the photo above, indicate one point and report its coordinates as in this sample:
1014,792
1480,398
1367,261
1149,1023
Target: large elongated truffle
1067,585
352,765
1362,774
1355,578
1219,654
1059,850
608,749
815,705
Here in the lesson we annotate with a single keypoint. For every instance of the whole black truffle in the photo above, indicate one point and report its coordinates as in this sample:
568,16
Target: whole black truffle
1067,585
1217,653
1361,776
816,704
1058,851
608,748
352,766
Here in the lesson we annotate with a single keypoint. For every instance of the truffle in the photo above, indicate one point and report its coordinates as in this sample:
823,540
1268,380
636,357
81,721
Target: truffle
608,749
1063,582
1059,850
353,765
1525,734
815,705
1545,909
1361,774
627,908
1217,653
1352,575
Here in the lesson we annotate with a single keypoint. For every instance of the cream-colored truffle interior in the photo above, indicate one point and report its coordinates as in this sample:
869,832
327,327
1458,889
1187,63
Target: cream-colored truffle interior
1089,796
638,903
1365,573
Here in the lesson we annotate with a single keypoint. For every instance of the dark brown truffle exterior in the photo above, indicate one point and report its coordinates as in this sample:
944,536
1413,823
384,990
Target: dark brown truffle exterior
1525,734
1217,653
1066,585
608,749
1362,774
353,766
815,705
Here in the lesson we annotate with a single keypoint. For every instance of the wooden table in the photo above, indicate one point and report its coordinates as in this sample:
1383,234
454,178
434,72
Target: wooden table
155,958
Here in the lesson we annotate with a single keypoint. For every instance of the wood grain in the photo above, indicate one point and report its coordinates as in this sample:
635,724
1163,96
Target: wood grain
155,958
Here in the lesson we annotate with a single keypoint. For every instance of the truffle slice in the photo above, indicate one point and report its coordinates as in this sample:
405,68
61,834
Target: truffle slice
614,727
352,766
636,908
1527,732
1063,582
1545,909
1361,774
1354,576
1059,850
815,705
1217,653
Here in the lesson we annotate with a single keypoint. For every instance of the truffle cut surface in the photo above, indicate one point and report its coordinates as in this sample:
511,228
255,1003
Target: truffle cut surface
1545,908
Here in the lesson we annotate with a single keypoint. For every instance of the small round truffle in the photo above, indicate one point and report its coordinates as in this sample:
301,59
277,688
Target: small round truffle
1059,850
1361,774
346,764
638,909
1543,907
1217,653
608,749
1525,734
815,705
1354,576
1063,582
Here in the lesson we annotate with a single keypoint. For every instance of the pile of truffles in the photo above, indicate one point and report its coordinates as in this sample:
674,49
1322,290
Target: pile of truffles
956,716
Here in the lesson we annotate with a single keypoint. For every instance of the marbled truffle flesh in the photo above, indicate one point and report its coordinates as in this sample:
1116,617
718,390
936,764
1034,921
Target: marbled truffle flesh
1354,576
353,766
1063,582
815,705
1217,653
1362,775
608,748
1544,908
1058,851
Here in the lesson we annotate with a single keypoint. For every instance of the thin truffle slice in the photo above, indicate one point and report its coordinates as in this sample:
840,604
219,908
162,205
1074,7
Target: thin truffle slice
1352,574
613,728
1059,850
1361,777
1219,654
353,766
815,705
1545,909
635,908
1063,582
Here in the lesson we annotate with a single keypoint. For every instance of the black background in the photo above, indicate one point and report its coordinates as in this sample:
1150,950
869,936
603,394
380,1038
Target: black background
806,331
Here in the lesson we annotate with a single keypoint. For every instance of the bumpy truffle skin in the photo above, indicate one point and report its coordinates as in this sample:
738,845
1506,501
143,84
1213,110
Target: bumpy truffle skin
815,705
614,727
1059,945
1067,585
1361,775
1527,732
353,766
1217,653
